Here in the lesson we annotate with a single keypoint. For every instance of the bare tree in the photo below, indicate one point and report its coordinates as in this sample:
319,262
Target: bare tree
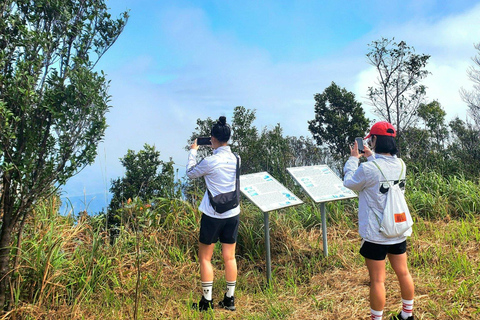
398,93
472,98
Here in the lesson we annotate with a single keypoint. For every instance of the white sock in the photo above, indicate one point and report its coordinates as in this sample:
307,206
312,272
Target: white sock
376,315
407,308
207,289
230,288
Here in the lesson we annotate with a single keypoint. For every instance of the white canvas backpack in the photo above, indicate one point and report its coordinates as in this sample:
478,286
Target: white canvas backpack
396,218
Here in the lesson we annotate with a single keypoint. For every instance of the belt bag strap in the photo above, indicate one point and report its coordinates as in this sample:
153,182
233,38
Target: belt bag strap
236,192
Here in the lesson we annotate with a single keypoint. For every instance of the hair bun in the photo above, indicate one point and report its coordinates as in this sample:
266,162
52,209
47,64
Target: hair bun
222,120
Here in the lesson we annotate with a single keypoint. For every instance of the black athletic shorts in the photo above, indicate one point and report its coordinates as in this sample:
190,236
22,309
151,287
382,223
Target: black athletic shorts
374,251
212,229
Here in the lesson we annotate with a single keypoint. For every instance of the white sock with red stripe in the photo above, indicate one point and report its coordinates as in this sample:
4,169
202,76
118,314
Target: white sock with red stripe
407,308
376,315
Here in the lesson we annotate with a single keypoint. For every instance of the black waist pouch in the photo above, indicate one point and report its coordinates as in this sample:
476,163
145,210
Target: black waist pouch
226,201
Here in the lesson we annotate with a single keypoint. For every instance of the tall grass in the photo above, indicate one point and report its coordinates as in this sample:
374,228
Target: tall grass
433,196
69,270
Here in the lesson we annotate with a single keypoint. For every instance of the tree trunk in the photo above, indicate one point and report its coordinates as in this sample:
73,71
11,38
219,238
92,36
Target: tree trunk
5,242
17,254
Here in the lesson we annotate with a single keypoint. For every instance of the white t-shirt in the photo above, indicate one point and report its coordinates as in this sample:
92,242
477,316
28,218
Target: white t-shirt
219,171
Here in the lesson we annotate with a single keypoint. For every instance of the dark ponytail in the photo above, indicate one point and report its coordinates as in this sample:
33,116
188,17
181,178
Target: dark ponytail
221,130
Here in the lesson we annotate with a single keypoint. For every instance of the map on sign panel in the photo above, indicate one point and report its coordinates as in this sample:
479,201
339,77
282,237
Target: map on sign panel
321,183
266,192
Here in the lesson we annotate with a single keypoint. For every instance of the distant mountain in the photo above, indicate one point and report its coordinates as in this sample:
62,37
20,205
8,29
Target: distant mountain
92,203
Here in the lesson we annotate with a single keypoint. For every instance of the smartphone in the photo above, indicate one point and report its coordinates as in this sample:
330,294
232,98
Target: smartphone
360,144
204,141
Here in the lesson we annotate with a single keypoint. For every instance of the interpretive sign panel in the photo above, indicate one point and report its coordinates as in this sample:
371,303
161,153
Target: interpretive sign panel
321,183
266,192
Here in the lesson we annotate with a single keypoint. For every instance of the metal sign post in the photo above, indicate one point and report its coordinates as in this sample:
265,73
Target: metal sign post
322,185
324,228
268,195
267,248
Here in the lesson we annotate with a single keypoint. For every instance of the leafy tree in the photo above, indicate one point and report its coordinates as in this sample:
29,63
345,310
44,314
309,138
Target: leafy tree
146,178
245,138
416,148
194,188
52,102
398,93
306,152
472,98
268,151
202,129
426,148
274,153
465,148
433,116
339,118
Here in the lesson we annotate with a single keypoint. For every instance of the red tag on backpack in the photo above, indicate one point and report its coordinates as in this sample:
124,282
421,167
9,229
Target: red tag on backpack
400,217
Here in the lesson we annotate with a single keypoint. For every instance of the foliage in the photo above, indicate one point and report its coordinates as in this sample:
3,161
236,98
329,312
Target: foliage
426,148
465,149
433,116
274,154
69,271
146,178
306,152
268,150
398,93
451,150
202,129
472,98
245,138
339,118
433,196
52,102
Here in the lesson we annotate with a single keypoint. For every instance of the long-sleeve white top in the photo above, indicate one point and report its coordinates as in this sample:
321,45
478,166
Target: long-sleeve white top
372,188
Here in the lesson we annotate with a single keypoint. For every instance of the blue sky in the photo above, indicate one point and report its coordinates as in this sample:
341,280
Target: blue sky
180,60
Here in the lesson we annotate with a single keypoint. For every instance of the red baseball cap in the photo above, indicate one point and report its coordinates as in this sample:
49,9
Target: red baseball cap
382,128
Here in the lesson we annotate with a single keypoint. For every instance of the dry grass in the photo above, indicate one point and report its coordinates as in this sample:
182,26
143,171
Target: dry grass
444,259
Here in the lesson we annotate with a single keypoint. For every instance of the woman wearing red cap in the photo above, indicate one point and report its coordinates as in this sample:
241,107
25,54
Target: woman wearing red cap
372,187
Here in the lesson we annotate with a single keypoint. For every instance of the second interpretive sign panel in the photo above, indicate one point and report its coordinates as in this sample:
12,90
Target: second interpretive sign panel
321,183
266,192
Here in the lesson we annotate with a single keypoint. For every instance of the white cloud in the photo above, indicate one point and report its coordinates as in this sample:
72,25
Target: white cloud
450,44
158,101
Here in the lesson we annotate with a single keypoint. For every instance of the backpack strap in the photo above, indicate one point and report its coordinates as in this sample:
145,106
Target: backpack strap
403,167
237,180
376,164
401,172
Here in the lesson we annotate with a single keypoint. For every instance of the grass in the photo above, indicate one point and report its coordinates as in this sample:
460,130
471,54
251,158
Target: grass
70,271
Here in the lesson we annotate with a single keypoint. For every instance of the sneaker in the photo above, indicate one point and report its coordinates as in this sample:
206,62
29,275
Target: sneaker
203,304
399,317
227,303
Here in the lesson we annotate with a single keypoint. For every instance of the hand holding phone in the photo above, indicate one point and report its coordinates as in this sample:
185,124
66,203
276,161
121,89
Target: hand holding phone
204,141
359,141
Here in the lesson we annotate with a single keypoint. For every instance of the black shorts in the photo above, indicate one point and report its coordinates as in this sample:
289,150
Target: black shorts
212,229
374,251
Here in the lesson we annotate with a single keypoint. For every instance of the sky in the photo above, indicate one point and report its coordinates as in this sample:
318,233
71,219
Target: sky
182,60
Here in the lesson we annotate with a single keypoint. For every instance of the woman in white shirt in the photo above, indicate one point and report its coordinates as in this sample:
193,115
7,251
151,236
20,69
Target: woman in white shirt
219,171
368,180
